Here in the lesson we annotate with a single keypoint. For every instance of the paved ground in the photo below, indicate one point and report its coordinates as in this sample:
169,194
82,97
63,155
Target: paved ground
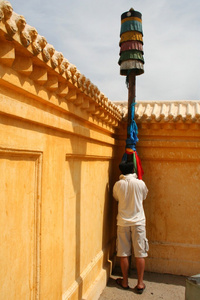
158,287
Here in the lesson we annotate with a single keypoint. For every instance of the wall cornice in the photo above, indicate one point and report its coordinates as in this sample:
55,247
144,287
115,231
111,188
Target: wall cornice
165,114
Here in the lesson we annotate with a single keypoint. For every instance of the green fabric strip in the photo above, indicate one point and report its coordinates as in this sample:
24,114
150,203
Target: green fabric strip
131,26
135,162
131,54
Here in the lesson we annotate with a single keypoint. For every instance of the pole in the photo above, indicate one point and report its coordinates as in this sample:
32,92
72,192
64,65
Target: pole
131,99
131,95
131,65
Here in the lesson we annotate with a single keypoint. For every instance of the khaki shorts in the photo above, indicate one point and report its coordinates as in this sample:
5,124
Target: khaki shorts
132,236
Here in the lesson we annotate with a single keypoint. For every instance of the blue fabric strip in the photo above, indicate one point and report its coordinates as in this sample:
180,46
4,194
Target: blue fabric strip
132,130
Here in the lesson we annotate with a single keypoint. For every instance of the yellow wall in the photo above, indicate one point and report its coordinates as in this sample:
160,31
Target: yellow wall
57,219
57,156
171,160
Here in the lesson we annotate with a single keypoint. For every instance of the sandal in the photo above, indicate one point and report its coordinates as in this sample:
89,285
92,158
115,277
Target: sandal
119,282
140,291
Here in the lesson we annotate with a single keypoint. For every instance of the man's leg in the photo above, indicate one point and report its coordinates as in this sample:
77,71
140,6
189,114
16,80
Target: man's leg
140,265
140,245
124,251
124,263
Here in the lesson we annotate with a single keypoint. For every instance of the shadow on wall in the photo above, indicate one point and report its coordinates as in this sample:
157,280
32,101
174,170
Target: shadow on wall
90,211
110,214
111,207
73,216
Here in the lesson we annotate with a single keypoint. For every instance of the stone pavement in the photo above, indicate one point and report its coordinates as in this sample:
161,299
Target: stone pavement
158,287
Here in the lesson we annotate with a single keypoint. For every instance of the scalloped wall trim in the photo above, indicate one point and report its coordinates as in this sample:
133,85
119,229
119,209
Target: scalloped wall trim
13,28
164,111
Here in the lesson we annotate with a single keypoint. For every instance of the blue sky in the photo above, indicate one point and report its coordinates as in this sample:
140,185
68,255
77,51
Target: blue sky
87,33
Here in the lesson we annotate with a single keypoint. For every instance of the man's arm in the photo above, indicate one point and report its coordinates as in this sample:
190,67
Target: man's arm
145,191
115,192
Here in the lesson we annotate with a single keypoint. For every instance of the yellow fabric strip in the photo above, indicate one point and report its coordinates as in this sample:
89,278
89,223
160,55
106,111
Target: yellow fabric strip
131,19
131,36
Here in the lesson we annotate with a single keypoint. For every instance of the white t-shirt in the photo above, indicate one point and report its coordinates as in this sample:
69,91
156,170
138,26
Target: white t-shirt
130,193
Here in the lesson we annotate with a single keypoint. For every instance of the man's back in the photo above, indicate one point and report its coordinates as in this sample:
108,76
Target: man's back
130,193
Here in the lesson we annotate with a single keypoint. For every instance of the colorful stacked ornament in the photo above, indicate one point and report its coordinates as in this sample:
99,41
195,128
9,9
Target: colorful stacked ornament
131,63
131,43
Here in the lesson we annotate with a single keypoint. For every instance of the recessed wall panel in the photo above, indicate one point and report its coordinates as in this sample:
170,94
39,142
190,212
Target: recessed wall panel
19,225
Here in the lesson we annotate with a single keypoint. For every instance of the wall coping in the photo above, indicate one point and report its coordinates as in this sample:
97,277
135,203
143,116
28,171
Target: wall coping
164,111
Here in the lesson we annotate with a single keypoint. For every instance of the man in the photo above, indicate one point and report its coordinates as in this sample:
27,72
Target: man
131,231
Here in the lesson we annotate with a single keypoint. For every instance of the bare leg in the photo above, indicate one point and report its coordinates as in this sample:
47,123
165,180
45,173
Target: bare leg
124,263
140,265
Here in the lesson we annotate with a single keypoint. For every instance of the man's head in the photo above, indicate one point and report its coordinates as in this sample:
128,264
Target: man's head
126,168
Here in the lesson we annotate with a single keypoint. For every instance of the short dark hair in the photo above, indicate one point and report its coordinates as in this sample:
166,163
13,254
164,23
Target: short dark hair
126,167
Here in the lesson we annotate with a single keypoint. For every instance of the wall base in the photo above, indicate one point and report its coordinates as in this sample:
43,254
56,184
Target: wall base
192,291
95,290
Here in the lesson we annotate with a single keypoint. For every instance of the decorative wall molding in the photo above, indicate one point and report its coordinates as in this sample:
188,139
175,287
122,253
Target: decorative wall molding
170,154
16,154
163,243
98,260
89,157
177,113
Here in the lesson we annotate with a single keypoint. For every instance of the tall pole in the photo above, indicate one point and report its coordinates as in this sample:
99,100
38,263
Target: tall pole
131,95
131,63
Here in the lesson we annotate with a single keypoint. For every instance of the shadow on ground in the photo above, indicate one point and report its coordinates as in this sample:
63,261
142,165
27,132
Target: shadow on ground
158,286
